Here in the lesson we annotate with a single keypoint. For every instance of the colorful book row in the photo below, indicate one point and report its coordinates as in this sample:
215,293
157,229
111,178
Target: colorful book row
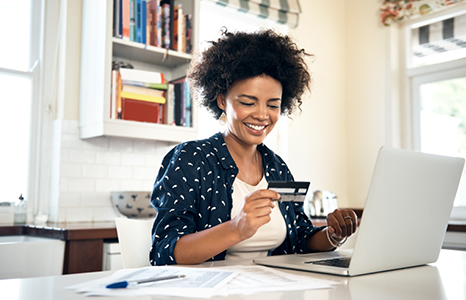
159,23
145,96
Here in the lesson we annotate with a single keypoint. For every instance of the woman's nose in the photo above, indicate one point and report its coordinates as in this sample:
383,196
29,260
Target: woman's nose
261,112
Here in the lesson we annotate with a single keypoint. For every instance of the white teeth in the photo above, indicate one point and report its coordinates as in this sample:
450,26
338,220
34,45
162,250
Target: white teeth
255,127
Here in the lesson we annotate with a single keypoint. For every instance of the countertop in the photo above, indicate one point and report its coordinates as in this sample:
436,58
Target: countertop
444,279
64,231
85,240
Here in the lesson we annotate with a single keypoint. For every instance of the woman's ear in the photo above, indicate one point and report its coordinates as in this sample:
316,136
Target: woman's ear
221,101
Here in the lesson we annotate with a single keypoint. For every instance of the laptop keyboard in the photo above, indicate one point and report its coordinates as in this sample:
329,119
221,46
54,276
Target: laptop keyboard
342,262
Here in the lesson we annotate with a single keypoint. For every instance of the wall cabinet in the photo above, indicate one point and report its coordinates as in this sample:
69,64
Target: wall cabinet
99,48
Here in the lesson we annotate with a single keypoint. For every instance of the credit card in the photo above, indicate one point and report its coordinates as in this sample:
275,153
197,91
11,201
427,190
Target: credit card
290,190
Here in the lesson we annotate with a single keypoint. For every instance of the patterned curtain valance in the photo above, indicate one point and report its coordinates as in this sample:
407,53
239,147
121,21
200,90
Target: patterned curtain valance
398,10
281,11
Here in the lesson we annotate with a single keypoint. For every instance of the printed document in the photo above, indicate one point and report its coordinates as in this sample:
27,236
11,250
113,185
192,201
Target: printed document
202,282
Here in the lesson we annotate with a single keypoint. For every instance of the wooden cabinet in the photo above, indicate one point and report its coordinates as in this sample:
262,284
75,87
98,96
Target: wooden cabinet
84,241
99,48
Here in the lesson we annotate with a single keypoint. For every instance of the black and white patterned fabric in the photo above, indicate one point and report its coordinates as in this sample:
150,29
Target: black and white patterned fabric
193,192
439,37
281,11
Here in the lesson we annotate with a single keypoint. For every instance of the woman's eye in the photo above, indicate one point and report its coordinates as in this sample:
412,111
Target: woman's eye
247,104
274,106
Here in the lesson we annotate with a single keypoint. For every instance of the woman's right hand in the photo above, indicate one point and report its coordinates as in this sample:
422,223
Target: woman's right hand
255,212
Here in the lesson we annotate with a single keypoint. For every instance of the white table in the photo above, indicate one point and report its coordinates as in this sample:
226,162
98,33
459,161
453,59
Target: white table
445,279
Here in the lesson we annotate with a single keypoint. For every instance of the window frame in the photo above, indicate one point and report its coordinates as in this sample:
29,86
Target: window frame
413,77
33,74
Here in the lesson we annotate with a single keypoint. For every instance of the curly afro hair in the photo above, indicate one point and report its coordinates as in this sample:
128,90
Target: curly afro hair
240,55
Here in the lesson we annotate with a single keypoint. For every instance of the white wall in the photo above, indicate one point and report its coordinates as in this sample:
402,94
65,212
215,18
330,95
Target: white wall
318,137
372,93
84,172
354,99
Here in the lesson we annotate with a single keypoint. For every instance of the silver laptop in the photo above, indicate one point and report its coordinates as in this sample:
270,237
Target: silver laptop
404,222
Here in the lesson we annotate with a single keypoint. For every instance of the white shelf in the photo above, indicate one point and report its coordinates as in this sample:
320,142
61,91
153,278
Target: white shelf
98,50
155,55
139,130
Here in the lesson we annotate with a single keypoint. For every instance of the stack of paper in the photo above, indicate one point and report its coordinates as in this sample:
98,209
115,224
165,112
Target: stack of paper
201,282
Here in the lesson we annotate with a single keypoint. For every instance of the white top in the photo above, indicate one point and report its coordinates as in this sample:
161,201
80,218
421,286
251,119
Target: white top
267,237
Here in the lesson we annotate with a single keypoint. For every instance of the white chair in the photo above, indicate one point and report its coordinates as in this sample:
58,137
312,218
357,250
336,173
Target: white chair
135,240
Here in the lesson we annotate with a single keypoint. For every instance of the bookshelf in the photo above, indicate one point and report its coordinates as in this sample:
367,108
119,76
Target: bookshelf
99,48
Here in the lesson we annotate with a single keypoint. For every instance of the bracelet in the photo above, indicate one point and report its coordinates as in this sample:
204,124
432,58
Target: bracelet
334,242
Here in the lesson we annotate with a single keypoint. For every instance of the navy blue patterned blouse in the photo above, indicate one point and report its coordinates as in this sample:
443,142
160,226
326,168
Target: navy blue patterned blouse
193,191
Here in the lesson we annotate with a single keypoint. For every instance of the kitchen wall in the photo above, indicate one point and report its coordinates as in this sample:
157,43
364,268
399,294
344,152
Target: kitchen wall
333,143
318,137
85,171
353,110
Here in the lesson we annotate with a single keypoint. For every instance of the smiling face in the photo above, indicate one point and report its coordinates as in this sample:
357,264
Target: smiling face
252,107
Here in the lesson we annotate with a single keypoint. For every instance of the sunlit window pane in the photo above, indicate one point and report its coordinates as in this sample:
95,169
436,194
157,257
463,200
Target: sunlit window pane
15,22
443,122
14,133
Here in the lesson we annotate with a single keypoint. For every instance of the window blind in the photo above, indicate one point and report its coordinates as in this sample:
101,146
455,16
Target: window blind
439,37
281,11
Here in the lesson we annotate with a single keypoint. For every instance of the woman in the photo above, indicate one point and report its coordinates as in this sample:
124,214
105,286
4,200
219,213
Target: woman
211,195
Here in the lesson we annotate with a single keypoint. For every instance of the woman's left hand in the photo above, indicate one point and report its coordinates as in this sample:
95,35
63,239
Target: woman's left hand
342,223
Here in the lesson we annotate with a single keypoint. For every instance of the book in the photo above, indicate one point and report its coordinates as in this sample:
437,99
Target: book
188,105
143,22
116,18
176,12
177,92
141,76
114,95
142,97
159,24
180,35
188,19
157,86
143,90
120,19
170,5
182,106
183,34
138,21
166,26
132,20
119,85
148,23
125,18
153,8
170,105
141,111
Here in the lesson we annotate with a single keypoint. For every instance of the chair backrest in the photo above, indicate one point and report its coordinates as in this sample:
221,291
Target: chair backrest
135,240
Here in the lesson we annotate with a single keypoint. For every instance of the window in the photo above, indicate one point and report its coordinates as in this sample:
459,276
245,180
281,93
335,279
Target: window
18,85
436,71
213,18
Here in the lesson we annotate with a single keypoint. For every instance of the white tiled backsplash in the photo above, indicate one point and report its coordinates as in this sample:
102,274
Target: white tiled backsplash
84,172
